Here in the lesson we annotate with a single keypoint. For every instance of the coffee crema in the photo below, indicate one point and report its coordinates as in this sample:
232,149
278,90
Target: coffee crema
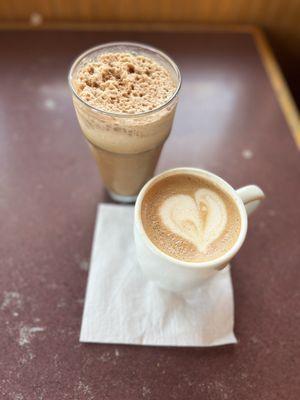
190,218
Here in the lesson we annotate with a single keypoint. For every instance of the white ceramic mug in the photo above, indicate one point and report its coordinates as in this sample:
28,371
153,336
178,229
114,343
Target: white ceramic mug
177,275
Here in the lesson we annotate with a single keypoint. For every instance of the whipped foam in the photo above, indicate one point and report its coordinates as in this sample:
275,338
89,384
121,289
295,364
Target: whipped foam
124,83
199,219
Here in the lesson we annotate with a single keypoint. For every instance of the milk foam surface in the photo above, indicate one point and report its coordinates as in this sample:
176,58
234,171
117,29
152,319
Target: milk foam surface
124,83
200,219
190,218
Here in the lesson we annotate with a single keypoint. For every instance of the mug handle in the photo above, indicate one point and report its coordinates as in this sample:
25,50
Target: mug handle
251,196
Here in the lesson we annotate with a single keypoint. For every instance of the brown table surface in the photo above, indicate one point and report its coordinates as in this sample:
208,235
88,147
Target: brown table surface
228,121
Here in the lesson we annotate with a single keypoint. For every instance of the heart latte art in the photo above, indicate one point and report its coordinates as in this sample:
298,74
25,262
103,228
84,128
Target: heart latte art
190,218
200,219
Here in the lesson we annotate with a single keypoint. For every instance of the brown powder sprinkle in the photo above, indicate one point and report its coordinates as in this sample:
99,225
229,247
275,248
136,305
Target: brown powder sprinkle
124,83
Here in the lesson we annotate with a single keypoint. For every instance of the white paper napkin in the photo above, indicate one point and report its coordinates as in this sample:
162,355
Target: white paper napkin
121,306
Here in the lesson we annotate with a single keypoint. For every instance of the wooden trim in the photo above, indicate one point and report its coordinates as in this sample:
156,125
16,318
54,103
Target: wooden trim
125,26
279,84
272,68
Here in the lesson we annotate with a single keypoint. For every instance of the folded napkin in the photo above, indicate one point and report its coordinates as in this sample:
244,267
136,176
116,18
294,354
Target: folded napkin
121,306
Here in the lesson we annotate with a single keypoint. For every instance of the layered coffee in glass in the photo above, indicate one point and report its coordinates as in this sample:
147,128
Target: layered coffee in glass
125,97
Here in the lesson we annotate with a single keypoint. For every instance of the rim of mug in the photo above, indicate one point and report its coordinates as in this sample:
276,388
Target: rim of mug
94,49
225,258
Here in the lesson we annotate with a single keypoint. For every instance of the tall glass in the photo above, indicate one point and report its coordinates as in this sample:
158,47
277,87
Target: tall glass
126,147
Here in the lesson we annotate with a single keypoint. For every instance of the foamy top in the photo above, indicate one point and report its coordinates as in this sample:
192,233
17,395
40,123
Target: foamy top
124,83
190,218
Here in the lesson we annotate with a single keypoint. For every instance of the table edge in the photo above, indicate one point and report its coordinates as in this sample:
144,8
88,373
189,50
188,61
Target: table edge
272,68
279,84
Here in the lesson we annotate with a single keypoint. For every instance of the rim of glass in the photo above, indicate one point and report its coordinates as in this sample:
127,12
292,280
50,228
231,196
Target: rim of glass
129,44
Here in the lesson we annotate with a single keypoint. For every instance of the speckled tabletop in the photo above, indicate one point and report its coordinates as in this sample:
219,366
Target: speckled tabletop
228,121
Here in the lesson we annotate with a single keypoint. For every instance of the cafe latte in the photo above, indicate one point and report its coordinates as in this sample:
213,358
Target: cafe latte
190,218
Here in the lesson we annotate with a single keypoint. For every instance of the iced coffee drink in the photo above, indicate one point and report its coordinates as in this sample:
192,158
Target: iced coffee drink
125,97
